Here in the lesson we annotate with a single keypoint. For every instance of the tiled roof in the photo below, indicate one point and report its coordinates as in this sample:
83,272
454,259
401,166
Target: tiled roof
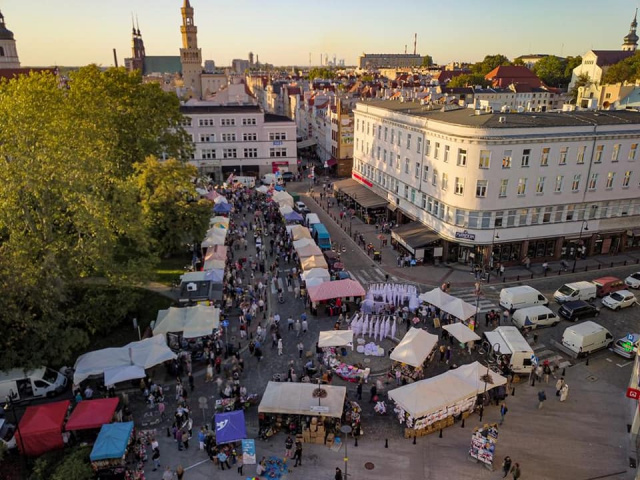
272,117
206,109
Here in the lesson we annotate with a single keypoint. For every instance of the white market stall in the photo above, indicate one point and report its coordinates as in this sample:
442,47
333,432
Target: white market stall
436,297
282,198
336,338
193,322
461,332
314,261
298,232
298,399
303,242
308,251
415,347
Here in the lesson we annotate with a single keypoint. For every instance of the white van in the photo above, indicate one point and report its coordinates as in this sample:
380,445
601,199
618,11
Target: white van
509,342
576,291
533,317
41,382
513,298
311,219
586,337
248,182
271,178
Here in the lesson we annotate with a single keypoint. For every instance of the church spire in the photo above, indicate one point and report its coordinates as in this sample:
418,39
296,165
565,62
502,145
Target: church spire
631,39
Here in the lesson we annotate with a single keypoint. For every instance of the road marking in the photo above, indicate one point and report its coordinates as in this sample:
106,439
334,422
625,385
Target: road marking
609,360
622,365
196,464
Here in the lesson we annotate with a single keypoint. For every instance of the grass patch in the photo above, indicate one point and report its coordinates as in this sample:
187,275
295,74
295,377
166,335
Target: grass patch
169,269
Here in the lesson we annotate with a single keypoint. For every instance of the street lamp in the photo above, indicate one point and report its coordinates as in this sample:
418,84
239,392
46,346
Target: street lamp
583,226
486,378
346,429
493,241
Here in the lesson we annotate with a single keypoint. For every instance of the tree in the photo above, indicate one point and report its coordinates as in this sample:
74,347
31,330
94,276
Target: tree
627,70
551,70
583,80
173,213
322,73
427,61
75,465
469,80
489,63
570,64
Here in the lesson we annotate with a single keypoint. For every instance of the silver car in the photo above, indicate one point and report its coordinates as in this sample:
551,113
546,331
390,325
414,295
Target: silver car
619,299
627,346
633,280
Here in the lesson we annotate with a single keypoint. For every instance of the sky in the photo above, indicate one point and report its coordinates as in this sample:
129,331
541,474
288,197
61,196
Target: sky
286,32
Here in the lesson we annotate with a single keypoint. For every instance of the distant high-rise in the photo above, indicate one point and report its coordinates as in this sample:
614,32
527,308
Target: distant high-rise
8,51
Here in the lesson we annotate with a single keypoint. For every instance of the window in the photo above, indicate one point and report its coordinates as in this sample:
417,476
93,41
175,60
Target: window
615,153
204,122
540,185
229,153
535,216
462,157
379,131
425,173
427,148
459,216
398,162
417,175
186,122
248,121
386,131
575,185
593,181
559,213
544,158
481,188
413,195
446,153
378,153
445,181
436,151
559,182
523,213
434,177
571,210
511,218
228,137
228,122
506,159
406,191
424,200
459,186
399,138
499,219
249,137
393,135
504,183
274,136
632,152
486,220
581,151
473,219
407,165
526,153
546,217
610,178
419,145
368,127
384,157
208,153
277,152
357,124
522,186
626,179
408,141
599,150
250,153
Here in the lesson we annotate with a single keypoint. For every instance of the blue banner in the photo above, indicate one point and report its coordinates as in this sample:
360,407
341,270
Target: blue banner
248,452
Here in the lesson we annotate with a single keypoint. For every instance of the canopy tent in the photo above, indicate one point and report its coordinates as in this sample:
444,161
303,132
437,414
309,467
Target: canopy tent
92,414
262,189
315,281
335,338
315,261
145,354
215,264
303,242
336,289
112,441
298,232
293,217
283,198
217,252
461,332
220,199
459,309
193,322
230,427
40,428
122,374
415,347
218,222
215,236
436,297
432,394
222,207
308,251
298,399
475,374
212,195
216,275
285,209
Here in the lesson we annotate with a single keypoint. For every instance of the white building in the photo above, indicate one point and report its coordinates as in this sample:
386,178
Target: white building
535,184
241,139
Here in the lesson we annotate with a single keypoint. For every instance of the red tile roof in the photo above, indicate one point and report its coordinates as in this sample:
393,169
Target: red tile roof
503,76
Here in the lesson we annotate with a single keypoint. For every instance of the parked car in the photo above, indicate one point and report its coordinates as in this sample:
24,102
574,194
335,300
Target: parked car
288,176
619,299
7,434
577,310
627,346
633,280
302,208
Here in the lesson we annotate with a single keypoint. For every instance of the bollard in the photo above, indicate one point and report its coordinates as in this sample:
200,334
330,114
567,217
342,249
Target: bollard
559,271
533,379
599,266
637,261
564,371
545,273
462,426
386,443
414,439
518,278
532,276
440,436
356,442
504,279
625,263
611,265
587,364
513,391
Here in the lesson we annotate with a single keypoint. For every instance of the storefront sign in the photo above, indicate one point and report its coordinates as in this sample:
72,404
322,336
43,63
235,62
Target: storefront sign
277,143
633,393
361,179
464,235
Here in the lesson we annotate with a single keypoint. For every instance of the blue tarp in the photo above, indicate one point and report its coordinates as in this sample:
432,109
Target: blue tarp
222,208
112,441
230,427
293,217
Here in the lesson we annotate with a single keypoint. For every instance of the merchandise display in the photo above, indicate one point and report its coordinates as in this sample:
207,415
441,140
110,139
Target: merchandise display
483,443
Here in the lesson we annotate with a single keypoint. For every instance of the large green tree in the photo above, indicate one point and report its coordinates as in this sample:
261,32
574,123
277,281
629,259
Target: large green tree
554,71
627,70
468,80
489,63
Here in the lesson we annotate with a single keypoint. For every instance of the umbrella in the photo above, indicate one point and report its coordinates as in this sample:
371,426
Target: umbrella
376,329
393,329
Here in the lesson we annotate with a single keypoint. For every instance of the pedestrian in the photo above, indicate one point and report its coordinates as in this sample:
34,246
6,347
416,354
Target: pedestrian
239,464
300,349
201,438
305,326
505,317
559,385
185,439
192,383
541,398
374,394
156,458
338,474
506,466
209,375
288,446
298,454
398,377
297,327
168,474
359,391
503,412
564,392
161,408
290,323
223,460
515,471
546,371
280,346
448,355
443,350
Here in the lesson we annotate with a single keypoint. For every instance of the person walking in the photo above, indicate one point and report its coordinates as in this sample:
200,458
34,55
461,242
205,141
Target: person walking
201,438
192,382
559,385
505,317
506,466
185,439
443,350
300,349
298,454
546,371
305,326
503,412
541,398
374,394
156,458
280,346
168,474
289,323
564,392
288,446
297,327
448,355
209,375
338,474
359,391
239,464
515,471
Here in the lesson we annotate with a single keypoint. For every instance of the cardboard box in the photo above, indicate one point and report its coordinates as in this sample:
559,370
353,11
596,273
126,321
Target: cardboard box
320,440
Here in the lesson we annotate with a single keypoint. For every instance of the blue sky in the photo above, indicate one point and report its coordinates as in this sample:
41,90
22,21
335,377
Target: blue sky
77,32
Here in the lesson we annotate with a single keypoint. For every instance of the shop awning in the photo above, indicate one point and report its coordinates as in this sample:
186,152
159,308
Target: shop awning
40,428
414,235
335,338
415,347
298,399
336,289
332,161
359,193
310,142
112,441
92,414
461,332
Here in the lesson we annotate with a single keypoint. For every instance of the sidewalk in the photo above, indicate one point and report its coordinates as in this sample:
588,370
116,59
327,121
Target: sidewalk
458,273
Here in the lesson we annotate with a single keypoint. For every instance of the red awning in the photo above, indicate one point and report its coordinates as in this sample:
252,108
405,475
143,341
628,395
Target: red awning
92,414
41,428
336,289
331,162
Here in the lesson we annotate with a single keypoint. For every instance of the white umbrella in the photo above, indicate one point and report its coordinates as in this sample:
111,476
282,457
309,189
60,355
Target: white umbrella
376,331
393,328
387,327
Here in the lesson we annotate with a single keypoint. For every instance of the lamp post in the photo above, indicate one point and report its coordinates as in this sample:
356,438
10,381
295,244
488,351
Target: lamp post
478,291
346,429
493,241
584,226
487,377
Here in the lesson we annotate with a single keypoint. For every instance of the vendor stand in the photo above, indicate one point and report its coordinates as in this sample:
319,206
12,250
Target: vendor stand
483,444
89,416
412,352
339,289
334,343
109,454
462,333
230,427
40,428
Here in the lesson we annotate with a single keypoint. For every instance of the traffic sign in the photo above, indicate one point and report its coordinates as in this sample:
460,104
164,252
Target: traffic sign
633,393
225,323
630,337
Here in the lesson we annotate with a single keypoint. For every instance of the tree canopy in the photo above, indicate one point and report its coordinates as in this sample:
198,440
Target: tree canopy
554,71
627,70
427,61
468,80
489,63
321,73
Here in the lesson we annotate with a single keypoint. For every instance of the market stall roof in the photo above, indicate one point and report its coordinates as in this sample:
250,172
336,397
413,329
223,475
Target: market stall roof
216,252
145,353
122,374
92,414
461,332
308,250
293,217
214,264
220,199
298,232
112,441
193,322
336,289
430,395
475,374
316,273
212,195
215,236
315,261
459,309
303,242
40,428
285,209
219,222
283,198
436,297
414,235
335,338
230,427
297,399
262,189
222,207
415,347
361,194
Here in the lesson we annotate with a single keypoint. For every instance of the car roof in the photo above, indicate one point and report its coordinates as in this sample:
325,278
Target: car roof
623,292
577,304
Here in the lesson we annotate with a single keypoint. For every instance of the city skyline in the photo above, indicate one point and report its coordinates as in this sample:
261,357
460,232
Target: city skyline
74,34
